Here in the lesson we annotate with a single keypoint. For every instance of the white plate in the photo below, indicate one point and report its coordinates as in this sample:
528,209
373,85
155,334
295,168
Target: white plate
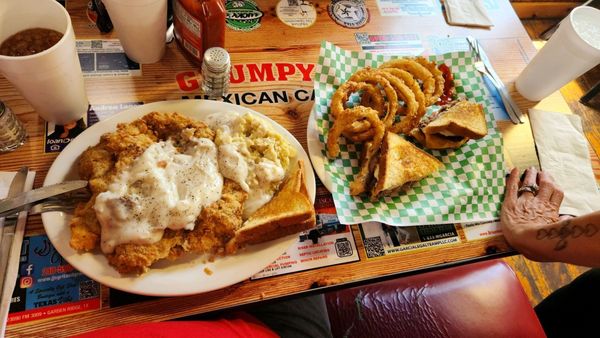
315,148
169,278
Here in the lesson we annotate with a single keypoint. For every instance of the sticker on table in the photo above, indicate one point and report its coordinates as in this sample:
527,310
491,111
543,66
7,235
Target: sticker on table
243,15
443,45
100,58
57,137
47,286
383,240
481,230
99,112
396,44
349,13
408,7
329,243
296,13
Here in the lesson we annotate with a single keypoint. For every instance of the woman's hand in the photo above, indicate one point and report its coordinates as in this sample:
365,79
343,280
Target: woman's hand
529,205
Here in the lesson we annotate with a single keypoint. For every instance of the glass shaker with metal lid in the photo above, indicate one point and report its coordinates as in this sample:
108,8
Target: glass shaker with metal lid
215,72
12,131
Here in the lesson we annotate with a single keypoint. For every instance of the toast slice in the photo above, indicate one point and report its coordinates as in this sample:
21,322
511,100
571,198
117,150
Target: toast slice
462,118
290,211
401,163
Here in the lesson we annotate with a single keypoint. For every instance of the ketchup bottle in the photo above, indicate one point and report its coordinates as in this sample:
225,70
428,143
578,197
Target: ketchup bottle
199,25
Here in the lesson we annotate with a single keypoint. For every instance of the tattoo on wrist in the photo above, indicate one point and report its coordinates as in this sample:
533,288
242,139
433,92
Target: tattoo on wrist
566,231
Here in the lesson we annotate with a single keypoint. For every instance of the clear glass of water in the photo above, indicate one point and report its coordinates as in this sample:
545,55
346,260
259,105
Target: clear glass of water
12,131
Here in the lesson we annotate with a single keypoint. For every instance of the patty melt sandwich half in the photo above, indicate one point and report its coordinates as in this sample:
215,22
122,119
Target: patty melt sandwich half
400,165
452,126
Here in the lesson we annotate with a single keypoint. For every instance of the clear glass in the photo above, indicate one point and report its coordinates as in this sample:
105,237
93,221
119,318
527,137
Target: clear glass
12,131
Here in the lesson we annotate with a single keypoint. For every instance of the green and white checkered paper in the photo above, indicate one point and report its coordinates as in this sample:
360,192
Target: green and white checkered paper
468,189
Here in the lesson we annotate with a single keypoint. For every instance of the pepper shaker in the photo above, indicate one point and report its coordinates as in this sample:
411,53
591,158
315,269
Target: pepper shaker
215,72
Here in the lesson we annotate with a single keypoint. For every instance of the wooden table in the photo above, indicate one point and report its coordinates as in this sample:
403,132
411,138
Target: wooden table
507,44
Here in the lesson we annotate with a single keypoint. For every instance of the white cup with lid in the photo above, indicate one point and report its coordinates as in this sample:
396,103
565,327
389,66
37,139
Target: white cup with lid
571,51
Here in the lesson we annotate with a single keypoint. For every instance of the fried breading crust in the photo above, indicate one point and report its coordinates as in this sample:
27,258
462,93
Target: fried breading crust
214,228
137,258
218,222
100,163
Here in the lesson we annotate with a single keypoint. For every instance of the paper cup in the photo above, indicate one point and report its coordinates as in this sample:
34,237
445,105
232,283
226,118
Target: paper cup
51,81
569,53
141,26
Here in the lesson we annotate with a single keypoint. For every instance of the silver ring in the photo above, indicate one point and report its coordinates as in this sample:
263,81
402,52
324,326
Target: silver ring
533,188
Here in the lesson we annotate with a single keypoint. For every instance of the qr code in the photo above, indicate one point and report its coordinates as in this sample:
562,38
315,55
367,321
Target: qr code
374,247
96,43
343,248
362,38
88,289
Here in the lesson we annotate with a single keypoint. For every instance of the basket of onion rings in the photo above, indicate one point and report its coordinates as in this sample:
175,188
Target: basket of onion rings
393,98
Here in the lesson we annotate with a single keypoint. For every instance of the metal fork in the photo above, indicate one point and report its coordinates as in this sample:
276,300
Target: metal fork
65,203
54,204
481,64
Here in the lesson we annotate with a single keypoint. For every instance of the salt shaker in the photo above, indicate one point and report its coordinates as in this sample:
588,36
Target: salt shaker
215,72
12,131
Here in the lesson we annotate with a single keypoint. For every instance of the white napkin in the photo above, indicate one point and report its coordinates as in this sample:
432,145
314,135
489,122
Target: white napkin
563,151
467,13
15,251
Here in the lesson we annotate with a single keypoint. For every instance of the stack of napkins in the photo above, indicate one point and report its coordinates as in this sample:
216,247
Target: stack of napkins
467,13
563,152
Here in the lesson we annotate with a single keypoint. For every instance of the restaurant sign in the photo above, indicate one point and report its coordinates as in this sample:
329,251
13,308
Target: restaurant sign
297,77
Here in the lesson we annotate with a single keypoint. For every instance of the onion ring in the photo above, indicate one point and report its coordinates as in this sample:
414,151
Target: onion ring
345,119
417,70
339,98
369,76
410,81
438,77
412,115
415,109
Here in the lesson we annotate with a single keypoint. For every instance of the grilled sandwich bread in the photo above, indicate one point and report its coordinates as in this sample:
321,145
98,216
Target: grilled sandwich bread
401,164
452,126
463,118
290,211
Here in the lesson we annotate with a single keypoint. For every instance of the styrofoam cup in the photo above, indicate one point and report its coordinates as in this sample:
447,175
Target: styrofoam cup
568,54
51,81
141,26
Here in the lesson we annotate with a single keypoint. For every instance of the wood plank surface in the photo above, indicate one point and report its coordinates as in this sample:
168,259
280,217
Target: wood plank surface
544,9
507,44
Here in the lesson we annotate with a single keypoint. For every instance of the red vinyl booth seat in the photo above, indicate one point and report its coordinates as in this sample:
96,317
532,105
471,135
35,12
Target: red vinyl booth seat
474,300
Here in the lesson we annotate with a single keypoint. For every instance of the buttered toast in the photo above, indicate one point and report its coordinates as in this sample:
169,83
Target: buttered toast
290,211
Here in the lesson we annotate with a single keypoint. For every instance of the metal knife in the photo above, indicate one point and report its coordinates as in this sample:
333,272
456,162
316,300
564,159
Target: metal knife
8,228
24,200
497,81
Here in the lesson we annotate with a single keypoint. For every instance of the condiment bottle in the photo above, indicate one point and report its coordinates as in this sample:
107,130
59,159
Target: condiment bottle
199,25
215,72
